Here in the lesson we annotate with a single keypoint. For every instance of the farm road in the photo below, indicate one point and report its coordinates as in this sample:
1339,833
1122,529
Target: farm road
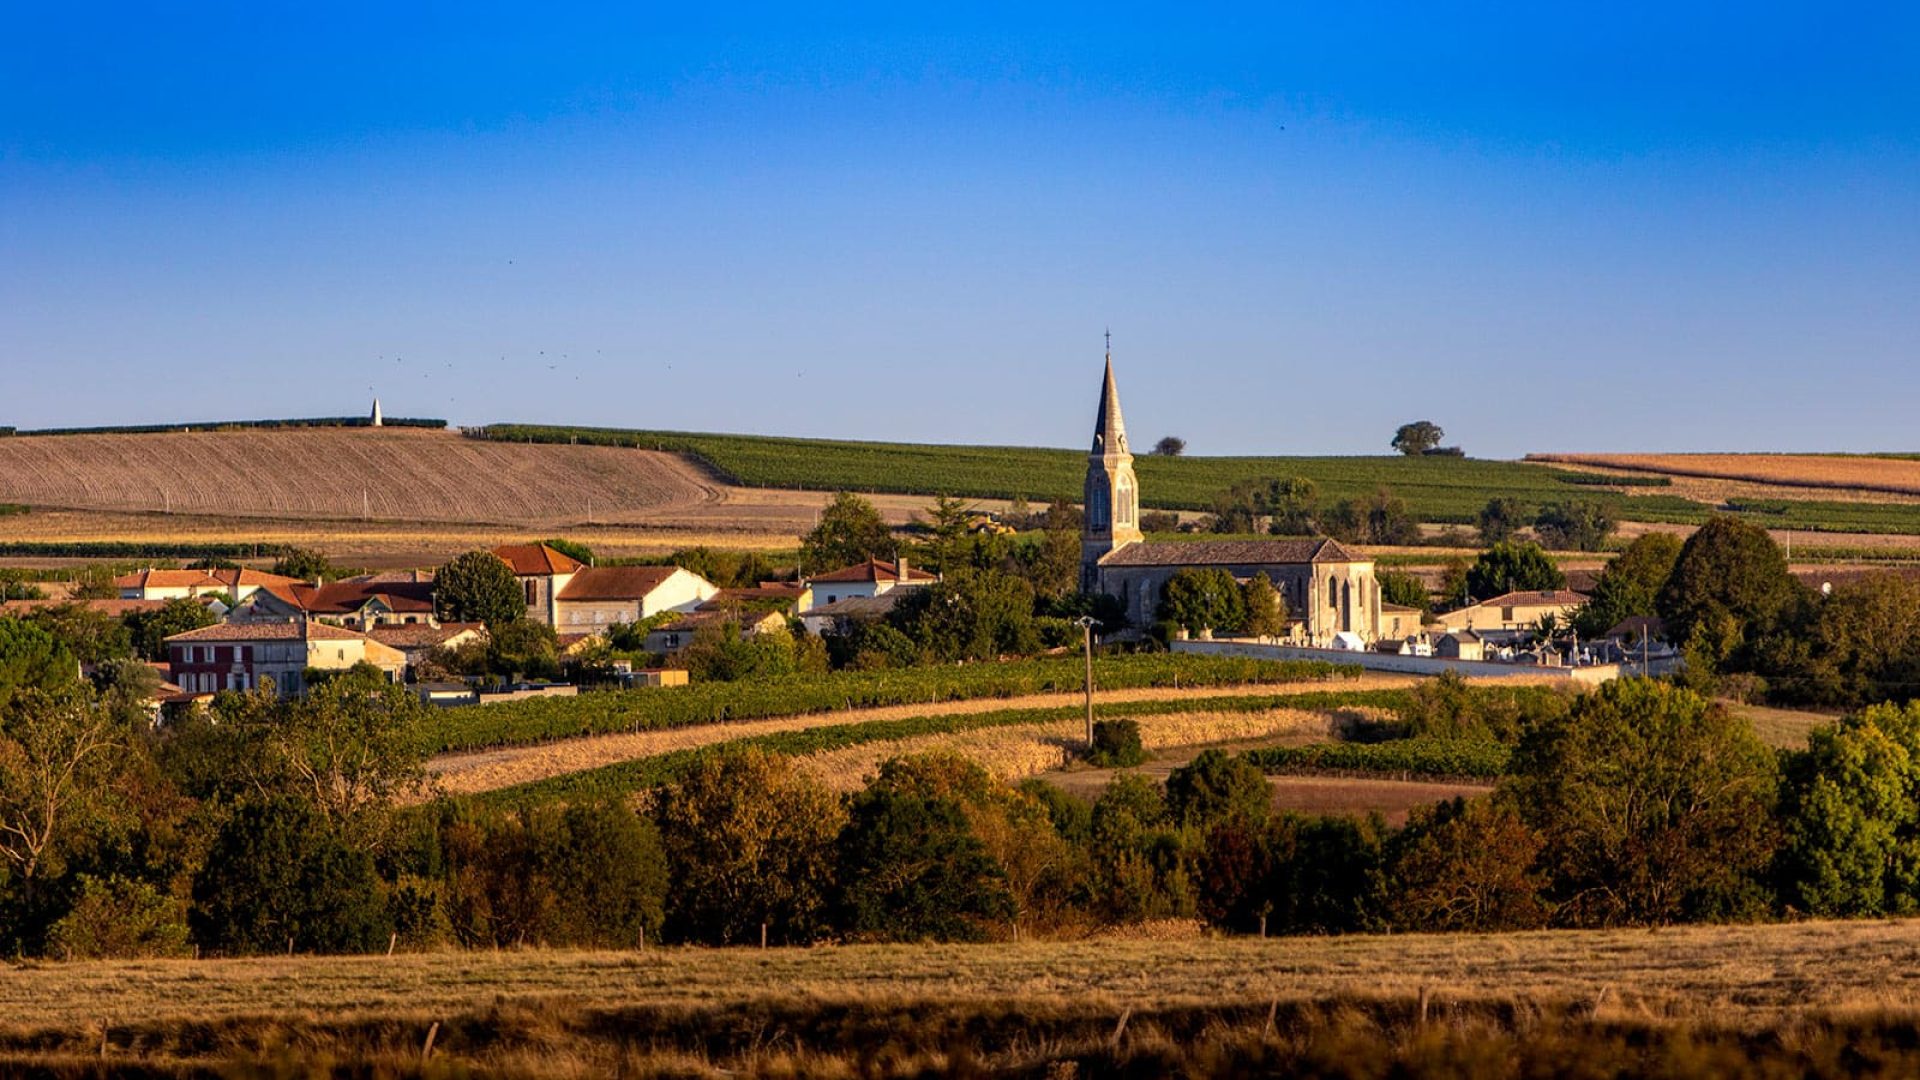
488,770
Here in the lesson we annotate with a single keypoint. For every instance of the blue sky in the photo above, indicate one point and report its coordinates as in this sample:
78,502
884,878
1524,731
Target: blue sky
1612,228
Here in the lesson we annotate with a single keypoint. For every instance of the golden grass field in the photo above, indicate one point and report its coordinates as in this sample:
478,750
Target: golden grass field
1821,476
1779,990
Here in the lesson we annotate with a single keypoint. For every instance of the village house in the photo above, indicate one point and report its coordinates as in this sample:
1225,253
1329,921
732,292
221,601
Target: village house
542,571
1461,645
244,656
1514,612
187,584
842,616
874,577
1331,596
398,599
1400,621
598,596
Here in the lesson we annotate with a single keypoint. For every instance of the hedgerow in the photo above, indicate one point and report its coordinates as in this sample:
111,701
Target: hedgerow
232,425
1476,758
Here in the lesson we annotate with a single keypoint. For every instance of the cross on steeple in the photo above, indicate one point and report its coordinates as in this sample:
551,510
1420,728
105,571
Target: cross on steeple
1109,341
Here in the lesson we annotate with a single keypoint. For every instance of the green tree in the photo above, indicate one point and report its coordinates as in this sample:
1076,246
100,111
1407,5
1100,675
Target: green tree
32,659
911,870
572,549
749,844
1850,808
1401,587
59,757
1575,525
1217,786
1418,437
1381,518
1140,856
1513,566
1170,446
305,564
1500,519
1198,599
969,615
1466,867
1629,583
1654,804
151,629
279,877
721,653
1052,566
1730,583
946,549
92,583
118,918
1266,609
91,635
1862,644
479,587
850,531
1292,506
523,649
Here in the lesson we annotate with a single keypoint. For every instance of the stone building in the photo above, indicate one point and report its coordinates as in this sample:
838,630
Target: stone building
1329,589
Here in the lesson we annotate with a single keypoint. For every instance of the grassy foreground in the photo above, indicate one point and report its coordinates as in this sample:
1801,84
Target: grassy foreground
1813,999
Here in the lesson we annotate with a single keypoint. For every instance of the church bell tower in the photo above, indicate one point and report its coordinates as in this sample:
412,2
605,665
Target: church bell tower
1112,495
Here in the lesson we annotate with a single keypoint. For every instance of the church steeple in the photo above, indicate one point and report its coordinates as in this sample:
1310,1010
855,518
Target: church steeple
1112,494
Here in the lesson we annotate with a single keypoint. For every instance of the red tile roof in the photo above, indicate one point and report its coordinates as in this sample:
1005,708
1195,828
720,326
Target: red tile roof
873,570
421,635
1535,598
168,579
350,595
537,560
281,631
616,582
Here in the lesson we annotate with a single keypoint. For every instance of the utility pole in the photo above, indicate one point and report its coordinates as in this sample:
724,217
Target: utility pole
1086,629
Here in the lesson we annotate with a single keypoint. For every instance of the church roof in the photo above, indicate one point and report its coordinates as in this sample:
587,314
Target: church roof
1232,553
1109,427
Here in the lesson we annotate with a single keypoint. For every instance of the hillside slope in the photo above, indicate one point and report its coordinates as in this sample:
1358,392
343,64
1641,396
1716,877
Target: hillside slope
346,474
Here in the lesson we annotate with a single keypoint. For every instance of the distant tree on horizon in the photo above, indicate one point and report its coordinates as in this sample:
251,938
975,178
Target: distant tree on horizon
1170,446
1418,437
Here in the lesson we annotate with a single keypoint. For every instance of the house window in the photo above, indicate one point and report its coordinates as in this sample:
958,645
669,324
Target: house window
1506,614
532,591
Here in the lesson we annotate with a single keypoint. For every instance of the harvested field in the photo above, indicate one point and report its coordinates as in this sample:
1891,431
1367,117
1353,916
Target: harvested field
1012,754
1786,729
489,770
1812,999
1821,475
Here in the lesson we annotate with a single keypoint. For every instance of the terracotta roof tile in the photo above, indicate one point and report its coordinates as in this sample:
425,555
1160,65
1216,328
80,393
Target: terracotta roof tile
420,635
537,560
1534,598
617,582
873,570
280,631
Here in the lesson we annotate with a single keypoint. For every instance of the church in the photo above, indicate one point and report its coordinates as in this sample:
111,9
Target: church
1328,588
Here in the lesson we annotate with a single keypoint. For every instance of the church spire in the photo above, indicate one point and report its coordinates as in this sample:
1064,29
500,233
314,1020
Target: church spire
1109,427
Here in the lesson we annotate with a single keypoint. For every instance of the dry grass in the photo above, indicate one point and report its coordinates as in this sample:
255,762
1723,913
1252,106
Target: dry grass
489,770
1827,999
1862,479
1786,729
1012,754
1752,969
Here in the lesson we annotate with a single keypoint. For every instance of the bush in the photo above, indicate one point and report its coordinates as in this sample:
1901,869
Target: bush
278,877
1116,744
1217,786
119,919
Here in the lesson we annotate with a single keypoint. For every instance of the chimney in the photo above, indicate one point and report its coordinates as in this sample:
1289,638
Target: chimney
900,568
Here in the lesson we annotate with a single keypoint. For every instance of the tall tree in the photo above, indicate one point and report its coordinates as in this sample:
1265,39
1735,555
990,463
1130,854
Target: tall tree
479,587
150,630
1401,587
1629,583
1575,525
1513,566
1655,806
1500,519
1730,583
1170,446
1418,437
1266,608
850,531
1851,812
57,758
1198,599
303,563
32,659
749,844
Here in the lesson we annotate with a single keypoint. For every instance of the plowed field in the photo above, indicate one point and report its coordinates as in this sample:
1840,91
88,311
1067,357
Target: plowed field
349,473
